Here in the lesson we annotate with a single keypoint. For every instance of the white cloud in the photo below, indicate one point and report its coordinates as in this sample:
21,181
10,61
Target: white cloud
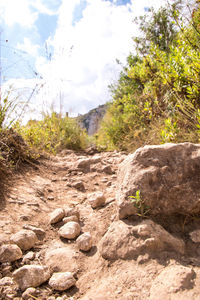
17,12
28,47
85,52
23,12
42,8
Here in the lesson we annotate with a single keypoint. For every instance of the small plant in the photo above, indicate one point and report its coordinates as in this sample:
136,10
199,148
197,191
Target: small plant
139,204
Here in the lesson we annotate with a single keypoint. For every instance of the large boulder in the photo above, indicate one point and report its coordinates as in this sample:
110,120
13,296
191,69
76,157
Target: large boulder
128,241
167,177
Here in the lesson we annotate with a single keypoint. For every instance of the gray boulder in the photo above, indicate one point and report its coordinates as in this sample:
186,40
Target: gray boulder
167,177
127,241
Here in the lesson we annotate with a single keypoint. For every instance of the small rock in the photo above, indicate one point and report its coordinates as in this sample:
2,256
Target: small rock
70,230
61,259
6,269
6,281
3,239
97,199
104,180
143,258
28,293
78,185
195,236
84,241
85,163
29,256
9,253
38,231
107,170
69,219
50,198
62,281
56,215
31,276
25,239
24,218
72,211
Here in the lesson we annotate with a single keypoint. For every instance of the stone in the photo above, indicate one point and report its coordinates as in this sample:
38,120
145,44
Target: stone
4,239
29,256
167,177
72,211
70,230
172,280
96,199
195,236
40,233
62,281
25,239
107,169
9,253
28,293
128,241
56,215
61,259
31,276
84,241
79,185
85,163
6,281
69,219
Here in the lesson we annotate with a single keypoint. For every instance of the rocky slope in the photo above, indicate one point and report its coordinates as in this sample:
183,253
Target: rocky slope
61,236
91,121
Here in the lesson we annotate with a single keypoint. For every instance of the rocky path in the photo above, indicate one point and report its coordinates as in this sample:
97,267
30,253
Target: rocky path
66,182
60,238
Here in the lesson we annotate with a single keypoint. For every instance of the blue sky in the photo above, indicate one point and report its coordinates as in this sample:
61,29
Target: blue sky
68,48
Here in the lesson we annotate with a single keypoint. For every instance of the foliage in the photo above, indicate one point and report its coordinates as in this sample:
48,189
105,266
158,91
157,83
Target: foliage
13,151
157,27
53,134
139,204
156,98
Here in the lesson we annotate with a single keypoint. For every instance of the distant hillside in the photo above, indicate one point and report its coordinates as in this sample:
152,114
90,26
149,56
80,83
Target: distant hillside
91,121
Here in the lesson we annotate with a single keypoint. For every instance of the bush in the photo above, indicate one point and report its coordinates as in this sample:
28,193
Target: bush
156,98
53,134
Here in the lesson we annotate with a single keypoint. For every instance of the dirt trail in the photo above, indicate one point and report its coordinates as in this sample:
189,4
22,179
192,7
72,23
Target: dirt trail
34,194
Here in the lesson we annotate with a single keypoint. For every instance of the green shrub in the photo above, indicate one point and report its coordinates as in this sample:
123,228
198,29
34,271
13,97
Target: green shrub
156,98
53,134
